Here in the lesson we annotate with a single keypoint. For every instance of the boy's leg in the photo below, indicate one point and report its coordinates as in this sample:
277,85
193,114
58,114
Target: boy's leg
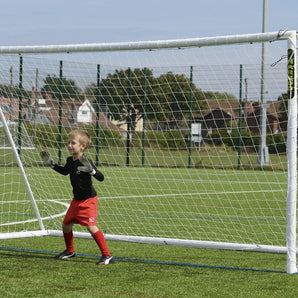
100,240
68,239
68,236
106,257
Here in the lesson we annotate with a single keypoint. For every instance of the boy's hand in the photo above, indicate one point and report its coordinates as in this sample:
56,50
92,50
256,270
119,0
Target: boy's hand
47,159
87,167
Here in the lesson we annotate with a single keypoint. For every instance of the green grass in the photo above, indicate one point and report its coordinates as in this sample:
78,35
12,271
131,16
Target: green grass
225,204
140,271
205,157
198,204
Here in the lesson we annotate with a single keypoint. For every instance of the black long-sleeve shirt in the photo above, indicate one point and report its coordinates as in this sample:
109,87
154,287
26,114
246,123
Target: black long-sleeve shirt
81,182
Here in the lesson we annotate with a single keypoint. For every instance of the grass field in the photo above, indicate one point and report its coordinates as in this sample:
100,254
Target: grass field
29,270
226,205
196,204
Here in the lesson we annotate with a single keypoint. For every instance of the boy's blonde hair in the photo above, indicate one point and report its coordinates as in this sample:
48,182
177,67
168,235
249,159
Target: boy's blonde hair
82,135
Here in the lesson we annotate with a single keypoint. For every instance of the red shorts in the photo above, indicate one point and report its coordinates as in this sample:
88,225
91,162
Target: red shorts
82,212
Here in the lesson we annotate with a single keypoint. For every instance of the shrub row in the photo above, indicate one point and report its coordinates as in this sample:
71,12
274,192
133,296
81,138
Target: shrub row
249,141
48,136
173,140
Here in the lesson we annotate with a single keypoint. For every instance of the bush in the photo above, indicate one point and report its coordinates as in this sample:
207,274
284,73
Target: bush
277,144
45,135
165,140
107,137
249,141
48,135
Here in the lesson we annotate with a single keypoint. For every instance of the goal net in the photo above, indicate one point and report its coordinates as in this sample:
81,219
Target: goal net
22,139
196,139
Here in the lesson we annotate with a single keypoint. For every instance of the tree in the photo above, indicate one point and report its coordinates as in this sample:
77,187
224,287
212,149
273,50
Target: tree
63,87
174,93
10,91
167,96
123,94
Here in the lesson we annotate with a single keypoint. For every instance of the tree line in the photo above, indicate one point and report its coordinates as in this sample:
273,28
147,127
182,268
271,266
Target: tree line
131,94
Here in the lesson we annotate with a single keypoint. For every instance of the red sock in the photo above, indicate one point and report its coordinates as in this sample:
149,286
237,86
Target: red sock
68,239
101,242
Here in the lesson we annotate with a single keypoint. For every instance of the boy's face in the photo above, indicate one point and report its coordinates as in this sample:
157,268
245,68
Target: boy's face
75,148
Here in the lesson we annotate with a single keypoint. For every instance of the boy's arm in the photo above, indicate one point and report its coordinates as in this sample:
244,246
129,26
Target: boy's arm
48,160
60,169
98,175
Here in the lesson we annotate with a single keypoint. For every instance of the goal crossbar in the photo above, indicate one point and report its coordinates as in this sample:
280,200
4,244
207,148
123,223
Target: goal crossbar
151,45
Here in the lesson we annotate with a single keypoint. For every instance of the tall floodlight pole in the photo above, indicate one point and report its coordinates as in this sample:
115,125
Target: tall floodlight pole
263,155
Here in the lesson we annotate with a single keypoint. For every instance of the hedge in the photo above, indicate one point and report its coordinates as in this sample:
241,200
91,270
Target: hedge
249,141
48,135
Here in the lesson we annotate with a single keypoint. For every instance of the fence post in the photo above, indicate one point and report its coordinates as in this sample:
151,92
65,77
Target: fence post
240,119
144,117
128,118
97,144
20,105
190,116
60,96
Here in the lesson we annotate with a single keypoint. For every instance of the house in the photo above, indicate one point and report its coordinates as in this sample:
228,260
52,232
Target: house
73,114
10,107
253,121
217,118
85,113
218,114
222,114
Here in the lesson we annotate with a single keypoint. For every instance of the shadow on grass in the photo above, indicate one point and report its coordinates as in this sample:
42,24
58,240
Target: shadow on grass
27,254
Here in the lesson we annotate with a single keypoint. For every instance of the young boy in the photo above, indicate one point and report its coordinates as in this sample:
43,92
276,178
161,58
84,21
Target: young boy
83,208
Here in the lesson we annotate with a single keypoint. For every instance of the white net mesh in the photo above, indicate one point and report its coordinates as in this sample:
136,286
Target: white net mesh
175,132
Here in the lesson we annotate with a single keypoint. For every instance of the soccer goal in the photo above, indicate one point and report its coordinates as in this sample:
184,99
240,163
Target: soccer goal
197,139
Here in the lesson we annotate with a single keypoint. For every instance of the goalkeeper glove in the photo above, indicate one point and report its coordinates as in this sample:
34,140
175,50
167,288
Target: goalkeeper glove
47,159
87,167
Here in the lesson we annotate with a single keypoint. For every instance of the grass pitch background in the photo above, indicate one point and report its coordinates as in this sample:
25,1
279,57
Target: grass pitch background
234,206
207,204
140,271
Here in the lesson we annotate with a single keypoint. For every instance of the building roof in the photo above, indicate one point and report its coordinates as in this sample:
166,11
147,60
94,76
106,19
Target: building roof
10,107
69,110
231,107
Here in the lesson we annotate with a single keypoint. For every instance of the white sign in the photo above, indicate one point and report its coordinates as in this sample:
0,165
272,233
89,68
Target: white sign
196,132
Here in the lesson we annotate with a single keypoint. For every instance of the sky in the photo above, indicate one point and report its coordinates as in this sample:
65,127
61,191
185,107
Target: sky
38,22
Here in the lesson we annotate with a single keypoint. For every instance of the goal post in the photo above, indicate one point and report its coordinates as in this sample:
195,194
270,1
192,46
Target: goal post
292,158
175,128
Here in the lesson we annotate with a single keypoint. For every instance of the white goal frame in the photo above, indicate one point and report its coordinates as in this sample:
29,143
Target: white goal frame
289,36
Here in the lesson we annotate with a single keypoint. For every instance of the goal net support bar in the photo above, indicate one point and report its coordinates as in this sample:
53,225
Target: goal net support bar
21,168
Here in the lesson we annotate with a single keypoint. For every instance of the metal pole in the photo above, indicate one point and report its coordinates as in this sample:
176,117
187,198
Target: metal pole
11,93
263,155
20,105
97,115
60,111
144,116
240,119
190,116
36,79
128,118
